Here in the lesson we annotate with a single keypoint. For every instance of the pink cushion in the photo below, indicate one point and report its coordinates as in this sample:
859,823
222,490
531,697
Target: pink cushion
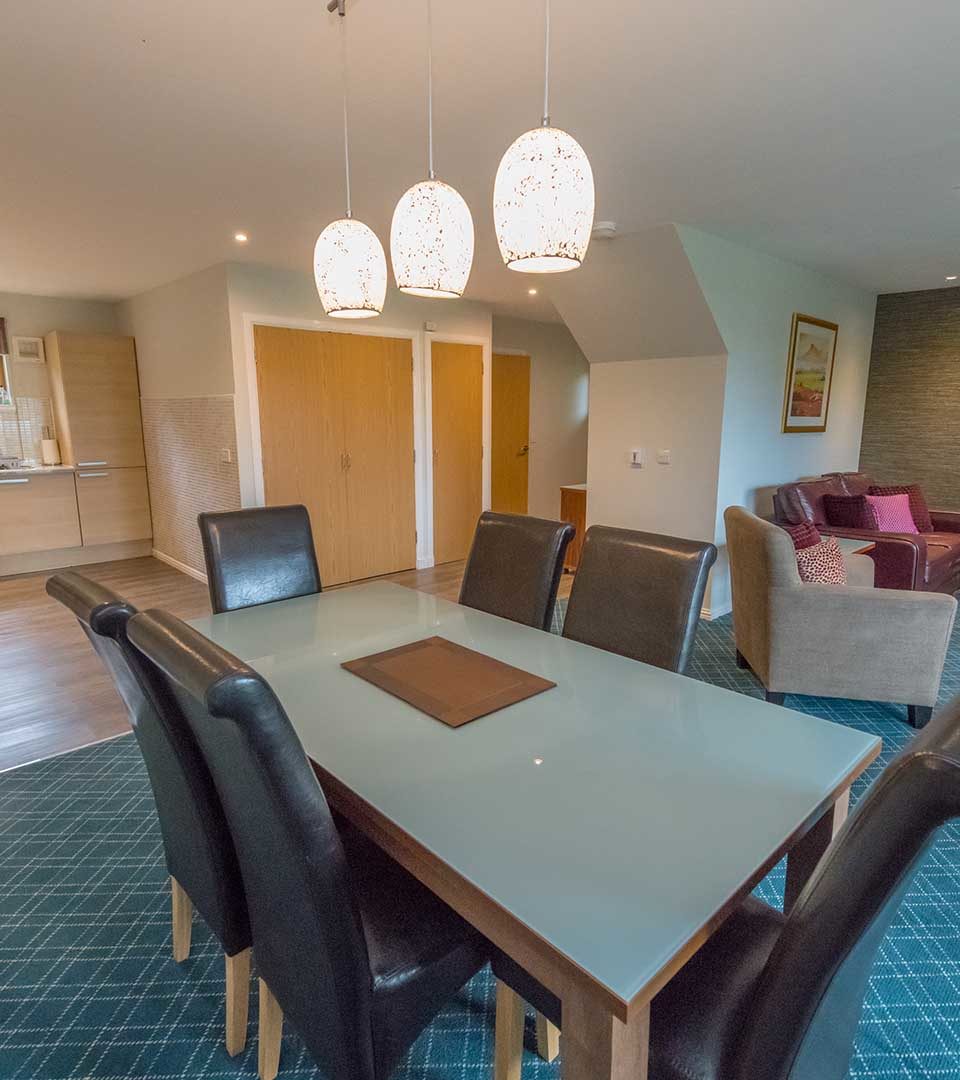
919,510
822,563
892,513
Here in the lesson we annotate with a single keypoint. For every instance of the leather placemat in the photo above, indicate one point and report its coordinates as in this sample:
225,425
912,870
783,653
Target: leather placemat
446,680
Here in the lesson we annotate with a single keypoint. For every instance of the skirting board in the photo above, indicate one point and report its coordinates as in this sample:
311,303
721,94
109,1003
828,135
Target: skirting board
30,562
177,565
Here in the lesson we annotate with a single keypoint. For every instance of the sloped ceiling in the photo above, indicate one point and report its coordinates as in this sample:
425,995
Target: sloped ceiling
636,298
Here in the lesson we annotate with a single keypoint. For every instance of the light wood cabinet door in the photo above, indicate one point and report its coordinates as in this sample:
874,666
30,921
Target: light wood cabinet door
114,505
38,513
457,391
96,395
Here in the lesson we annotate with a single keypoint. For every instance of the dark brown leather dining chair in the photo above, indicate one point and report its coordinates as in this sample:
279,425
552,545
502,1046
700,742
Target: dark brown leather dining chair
778,997
514,567
258,556
349,947
639,594
199,852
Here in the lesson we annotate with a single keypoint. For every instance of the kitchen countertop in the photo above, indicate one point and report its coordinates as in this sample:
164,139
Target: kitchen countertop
36,470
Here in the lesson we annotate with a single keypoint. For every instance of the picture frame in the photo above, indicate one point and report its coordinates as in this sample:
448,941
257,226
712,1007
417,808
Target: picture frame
810,364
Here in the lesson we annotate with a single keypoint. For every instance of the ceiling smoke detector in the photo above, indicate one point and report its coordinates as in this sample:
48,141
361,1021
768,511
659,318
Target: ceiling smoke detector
604,230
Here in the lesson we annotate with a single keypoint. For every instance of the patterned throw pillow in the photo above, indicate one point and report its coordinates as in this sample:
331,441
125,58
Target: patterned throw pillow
803,535
919,510
849,512
822,563
892,513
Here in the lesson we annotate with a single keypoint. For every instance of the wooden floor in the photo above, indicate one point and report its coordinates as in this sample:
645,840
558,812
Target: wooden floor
55,694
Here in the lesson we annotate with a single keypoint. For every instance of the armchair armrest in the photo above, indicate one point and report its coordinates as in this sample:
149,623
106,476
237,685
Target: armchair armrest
945,520
869,644
900,558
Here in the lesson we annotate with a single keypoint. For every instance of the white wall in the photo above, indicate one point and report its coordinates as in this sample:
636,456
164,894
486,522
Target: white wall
183,336
674,404
559,394
753,297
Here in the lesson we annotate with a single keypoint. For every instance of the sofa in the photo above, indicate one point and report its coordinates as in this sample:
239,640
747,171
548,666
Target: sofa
844,641
929,562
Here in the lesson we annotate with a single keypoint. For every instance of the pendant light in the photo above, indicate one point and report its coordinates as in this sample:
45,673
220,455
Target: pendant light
543,196
349,265
431,237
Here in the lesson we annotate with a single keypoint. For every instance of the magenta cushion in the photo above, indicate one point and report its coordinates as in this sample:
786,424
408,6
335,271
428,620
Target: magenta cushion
892,513
919,510
803,535
822,563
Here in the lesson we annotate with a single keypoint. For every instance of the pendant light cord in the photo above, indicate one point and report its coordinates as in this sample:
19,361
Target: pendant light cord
430,171
341,10
546,66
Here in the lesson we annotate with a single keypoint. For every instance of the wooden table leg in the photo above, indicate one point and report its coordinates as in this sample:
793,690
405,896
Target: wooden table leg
598,1046
803,858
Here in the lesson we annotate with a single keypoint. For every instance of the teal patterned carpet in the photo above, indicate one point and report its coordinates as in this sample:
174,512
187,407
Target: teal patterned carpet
88,990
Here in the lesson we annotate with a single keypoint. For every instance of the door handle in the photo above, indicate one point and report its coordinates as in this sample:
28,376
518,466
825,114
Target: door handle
84,475
524,450
19,480
89,464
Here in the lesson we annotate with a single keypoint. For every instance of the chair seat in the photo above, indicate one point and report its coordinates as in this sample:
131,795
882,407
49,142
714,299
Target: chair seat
696,1019
421,952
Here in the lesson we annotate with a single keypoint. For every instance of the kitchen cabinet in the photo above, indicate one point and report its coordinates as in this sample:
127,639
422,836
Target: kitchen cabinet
38,513
96,399
114,505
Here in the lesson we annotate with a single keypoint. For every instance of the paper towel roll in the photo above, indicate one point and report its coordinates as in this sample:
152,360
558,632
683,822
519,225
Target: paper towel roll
50,451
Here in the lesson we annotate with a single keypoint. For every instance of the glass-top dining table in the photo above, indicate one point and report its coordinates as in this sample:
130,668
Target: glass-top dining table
598,832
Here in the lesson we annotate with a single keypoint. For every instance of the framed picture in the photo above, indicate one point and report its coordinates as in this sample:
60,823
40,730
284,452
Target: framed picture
806,399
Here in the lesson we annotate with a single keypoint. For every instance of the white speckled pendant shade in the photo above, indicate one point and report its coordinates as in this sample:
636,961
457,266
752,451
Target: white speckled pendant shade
350,270
543,202
431,241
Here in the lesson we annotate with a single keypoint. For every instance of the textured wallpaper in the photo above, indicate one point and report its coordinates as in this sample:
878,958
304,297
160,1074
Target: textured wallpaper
184,439
911,426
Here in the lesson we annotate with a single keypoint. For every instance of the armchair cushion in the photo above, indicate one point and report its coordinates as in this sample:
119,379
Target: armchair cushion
919,510
803,535
822,562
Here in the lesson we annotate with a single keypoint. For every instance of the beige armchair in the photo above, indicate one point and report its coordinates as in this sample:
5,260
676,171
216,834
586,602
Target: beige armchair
847,641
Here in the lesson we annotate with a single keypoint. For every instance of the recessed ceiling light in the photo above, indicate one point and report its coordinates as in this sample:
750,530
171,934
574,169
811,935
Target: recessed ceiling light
532,292
950,277
241,237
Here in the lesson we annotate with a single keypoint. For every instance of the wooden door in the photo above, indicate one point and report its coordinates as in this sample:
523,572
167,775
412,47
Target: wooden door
302,437
96,398
336,431
510,441
377,376
457,390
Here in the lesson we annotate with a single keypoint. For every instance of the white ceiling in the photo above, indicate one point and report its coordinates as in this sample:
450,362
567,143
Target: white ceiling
138,137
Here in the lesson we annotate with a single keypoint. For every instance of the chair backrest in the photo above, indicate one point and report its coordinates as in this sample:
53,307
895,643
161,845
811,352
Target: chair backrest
808,1000
307,938
197,844
514,567
639,594
259,555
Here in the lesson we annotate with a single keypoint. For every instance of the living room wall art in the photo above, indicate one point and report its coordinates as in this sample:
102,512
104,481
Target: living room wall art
806,399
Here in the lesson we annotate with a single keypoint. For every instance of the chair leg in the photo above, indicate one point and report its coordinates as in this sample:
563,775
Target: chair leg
548,1038
742,661
508,1034
182,912
271,1032
919,715
774,697
238,1000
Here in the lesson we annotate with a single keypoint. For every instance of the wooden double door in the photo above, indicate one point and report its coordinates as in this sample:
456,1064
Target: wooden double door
336,431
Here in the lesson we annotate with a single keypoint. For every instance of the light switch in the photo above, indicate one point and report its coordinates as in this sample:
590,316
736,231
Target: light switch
663,457
636,459
226,456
